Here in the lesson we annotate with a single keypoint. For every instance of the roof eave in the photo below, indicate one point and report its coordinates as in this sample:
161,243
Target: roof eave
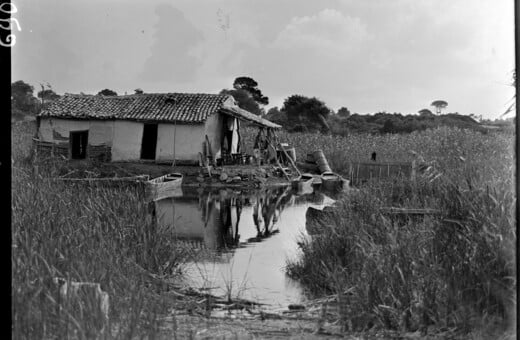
71,117
250,117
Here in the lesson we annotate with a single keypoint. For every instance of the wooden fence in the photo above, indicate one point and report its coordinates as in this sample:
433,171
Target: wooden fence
101,152
358,172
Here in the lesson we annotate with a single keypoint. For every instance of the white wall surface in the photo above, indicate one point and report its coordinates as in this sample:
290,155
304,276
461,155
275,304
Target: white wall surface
127,140
45,130
125,137
188,141
187,220
99,132
213,129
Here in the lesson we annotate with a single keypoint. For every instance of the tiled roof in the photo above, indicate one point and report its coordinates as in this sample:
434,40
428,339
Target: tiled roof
167,107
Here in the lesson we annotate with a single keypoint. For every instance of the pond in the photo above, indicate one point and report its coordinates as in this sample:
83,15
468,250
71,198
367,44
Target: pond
249,236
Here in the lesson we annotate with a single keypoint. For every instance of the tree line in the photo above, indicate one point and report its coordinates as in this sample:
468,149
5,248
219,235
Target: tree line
23,101
298,113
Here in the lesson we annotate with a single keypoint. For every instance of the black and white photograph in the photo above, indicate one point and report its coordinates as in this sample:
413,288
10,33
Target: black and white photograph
261,169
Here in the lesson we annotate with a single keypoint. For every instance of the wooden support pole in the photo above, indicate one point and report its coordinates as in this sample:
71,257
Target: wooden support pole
278,162
291,161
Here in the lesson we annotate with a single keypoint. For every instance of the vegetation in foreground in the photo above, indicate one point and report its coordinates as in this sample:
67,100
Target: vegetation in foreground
93,234
449,271
452,271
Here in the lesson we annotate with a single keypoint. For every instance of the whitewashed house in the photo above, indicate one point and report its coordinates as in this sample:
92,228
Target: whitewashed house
156,127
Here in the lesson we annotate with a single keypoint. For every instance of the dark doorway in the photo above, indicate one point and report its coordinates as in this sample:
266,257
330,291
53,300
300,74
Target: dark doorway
149,142
78,144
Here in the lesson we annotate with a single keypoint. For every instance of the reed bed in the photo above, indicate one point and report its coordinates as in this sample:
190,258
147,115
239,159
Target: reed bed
452,271
84,234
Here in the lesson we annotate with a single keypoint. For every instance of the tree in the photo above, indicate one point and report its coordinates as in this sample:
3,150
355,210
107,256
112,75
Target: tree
276,116
310,112
250,85
425,113
22,98
439,105
138,91
48,95
388,127
344,112
107,92
244,100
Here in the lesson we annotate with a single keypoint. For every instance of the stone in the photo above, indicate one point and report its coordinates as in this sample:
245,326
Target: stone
200,179
223,176
237,179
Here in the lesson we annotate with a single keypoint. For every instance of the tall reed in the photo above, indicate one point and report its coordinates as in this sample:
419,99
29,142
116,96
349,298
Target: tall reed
452,270
89,234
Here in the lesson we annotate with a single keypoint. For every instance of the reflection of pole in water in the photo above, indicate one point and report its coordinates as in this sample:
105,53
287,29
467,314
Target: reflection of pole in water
226,222
267,210
238,208
230,210
277,206
207,209
257,216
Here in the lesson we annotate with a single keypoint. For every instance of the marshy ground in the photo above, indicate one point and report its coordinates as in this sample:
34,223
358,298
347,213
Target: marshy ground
451,275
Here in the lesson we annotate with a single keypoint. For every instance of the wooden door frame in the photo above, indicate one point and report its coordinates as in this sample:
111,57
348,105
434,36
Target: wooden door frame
76,132
156,141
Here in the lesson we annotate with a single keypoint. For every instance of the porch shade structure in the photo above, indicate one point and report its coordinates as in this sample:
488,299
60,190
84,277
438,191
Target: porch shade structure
242,114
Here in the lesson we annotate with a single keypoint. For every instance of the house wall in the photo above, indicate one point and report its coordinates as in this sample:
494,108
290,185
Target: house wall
127,140
185,218
99,132
57,132
188,142
213,129
121,140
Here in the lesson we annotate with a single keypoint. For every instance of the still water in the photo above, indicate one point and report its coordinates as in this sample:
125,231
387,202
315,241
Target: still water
249,234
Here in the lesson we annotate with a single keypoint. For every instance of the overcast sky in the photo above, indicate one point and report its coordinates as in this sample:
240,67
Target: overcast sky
367,55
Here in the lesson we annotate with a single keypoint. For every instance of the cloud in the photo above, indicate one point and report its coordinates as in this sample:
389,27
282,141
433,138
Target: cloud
328,30
367,55
172,57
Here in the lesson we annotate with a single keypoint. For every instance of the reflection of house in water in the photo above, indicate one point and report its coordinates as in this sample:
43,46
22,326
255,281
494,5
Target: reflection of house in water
197,218
213,218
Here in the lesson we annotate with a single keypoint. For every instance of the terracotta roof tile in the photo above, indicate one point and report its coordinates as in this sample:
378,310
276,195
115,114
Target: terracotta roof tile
168,107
